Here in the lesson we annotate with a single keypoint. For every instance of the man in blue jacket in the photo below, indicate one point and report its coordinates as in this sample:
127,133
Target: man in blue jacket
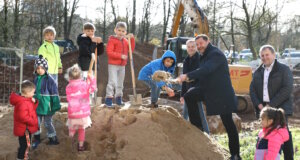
215,90
165,63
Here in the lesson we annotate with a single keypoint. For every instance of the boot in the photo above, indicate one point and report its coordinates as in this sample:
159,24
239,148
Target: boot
53,141
235,157
36,141
119,101
108,101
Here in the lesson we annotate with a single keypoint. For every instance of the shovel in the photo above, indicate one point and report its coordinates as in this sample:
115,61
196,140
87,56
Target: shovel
135,99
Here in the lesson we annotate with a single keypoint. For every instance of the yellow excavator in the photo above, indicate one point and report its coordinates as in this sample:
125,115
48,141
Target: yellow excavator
240,75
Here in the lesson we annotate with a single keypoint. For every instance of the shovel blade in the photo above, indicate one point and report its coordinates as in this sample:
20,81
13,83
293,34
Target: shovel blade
136,100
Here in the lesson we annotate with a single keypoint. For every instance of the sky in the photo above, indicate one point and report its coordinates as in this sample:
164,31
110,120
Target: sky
89,8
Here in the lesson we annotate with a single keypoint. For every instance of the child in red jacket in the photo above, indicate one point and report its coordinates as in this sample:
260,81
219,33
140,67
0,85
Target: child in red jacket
117,52
25,117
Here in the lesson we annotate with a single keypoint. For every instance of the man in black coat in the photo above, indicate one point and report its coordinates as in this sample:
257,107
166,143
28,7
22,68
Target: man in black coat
272,85
215,90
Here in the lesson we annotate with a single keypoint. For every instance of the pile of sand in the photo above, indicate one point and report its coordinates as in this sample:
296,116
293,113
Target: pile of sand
126,134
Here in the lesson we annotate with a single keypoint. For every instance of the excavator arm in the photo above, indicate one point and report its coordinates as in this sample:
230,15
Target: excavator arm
198,18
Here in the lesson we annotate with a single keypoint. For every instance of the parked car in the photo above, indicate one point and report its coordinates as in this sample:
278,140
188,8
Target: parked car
245,52
287,51
292,60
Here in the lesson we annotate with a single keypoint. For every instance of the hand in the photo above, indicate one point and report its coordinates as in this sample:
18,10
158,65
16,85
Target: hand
90,74
97,39
260,106
124,57
182,78
33,100
267,105
181,100
130,35
60,70
170,92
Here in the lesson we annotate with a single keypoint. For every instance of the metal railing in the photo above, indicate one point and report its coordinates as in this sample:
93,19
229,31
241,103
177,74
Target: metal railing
11,72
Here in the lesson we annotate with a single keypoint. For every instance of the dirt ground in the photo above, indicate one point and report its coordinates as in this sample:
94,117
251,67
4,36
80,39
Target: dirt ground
127,134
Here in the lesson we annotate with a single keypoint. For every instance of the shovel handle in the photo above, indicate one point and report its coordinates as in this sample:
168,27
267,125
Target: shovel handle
131,68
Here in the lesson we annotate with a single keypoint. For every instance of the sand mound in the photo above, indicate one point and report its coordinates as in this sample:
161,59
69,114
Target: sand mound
126,134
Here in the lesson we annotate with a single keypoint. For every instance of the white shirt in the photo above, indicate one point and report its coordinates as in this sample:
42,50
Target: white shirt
267,71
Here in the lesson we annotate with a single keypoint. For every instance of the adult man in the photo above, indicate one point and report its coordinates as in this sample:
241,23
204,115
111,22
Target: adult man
191,63
272,85
214,89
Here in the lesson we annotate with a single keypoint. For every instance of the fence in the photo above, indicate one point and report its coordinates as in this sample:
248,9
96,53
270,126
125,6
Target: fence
11,72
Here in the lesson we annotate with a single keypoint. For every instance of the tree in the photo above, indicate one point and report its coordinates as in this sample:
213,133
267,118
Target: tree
133,17
5,23
104,20
167,11
113,11
68,23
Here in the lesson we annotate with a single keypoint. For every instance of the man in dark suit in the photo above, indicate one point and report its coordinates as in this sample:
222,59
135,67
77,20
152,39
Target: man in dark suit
215,90
272,85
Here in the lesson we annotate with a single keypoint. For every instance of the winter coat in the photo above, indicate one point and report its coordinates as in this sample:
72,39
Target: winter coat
47,94
50,52
268,148
86,48
148,70
25,116
280,87
116,48
213,73
189,64
78,96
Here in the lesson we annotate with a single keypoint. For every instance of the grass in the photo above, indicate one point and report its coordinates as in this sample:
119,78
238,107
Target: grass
248,142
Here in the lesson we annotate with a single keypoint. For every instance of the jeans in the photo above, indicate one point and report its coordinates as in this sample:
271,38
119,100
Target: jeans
202,116
48,125
116,75
155,90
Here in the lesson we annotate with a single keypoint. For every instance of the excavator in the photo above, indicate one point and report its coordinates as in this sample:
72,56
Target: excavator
240,75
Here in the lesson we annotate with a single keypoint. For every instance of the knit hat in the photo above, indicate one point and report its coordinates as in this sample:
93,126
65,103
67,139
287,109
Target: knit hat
41,62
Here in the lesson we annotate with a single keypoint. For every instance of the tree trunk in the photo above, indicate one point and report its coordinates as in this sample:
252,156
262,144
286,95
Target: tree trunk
5,25
66,19
232,26
16,23
104,20
133,17
165,20
74,7
114,11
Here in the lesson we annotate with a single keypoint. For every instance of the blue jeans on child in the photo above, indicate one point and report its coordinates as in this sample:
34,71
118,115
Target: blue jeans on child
48,125
155,90
202,116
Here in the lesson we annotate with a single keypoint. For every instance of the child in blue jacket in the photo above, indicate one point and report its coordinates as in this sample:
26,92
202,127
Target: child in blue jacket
165,63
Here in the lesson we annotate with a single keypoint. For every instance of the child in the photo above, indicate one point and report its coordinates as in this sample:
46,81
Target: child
191,63
273,134
87,43
165,63
47,95
50,51
25,118
117,52
78,98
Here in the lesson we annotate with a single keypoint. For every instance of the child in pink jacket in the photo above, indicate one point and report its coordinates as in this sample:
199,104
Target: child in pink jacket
273,134
78,96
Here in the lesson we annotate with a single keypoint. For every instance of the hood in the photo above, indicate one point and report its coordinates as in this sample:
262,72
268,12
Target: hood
169,54
16,99
283,132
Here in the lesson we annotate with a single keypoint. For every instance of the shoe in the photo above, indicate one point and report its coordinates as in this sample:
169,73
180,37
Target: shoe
119,101
36,141
81,148
108,102
235,157
153,105
53,141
